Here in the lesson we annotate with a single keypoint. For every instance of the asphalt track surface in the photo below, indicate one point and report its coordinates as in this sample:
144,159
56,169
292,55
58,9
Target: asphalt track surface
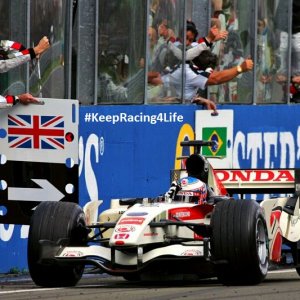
283,285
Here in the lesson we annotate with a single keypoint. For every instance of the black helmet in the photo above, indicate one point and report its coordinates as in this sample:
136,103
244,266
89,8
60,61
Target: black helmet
197,166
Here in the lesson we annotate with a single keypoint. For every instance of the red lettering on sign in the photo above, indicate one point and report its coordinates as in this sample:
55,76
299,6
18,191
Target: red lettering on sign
255,175
240,176
284,176
263,175
222,175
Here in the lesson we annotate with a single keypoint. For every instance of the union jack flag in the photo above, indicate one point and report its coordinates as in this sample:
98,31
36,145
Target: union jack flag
36,132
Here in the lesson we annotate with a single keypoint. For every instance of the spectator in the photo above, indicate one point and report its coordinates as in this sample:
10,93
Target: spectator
153,9
295,80
159,51
163,32
152,37
193,48
231,52
282,27
265,61
13,54
200,74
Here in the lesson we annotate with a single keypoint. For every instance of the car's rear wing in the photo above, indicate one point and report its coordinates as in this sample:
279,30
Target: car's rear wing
259,181
254,181
246,181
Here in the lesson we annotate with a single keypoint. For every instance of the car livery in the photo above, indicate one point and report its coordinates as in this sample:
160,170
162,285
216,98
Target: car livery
234,239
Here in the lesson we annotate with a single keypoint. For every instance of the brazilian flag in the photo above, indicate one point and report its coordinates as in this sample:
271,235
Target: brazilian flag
218,134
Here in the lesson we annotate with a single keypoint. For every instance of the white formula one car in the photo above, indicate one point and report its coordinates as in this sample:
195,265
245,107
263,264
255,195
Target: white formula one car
141,239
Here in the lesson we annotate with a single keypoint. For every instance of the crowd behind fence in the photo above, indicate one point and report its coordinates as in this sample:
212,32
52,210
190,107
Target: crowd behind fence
104,50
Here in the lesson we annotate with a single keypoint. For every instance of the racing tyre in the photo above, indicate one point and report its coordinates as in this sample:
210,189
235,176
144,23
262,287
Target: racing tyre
239,244
132,277
296,256
53,221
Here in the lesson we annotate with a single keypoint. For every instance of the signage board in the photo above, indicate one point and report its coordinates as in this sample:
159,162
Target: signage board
38,157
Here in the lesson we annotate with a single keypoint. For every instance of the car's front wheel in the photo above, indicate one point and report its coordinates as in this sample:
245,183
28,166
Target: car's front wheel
239,243
53,221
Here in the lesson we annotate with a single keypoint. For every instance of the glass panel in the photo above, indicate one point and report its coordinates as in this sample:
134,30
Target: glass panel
235,16
200,13
47,73
282,59
4,25
165,34
13,81
121,59
5,11
271,82
295,72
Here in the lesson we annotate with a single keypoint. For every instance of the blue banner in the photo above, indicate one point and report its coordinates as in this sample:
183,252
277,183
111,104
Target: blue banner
128,151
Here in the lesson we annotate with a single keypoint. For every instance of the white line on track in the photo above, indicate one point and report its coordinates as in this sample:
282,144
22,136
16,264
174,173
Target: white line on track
282,271
29,290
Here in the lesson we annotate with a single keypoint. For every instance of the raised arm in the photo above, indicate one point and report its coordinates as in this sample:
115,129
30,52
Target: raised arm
219,77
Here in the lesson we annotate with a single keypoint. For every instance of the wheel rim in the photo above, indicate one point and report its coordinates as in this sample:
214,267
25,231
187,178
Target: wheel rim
261,242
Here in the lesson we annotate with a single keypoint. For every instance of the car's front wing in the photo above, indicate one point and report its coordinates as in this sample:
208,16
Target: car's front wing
121,261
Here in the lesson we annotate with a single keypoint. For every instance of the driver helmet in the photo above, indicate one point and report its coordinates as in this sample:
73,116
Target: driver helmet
192,190
197,166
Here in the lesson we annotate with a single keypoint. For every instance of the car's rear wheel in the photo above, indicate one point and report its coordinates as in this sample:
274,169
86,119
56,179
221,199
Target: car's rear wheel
239,242
53,221
296,256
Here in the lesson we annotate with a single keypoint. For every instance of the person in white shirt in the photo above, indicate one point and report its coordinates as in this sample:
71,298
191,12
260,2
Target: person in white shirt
199,74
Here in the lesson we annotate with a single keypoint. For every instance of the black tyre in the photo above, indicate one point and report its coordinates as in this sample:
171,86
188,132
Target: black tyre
240,238
132,277
298,271
53,221
296,256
